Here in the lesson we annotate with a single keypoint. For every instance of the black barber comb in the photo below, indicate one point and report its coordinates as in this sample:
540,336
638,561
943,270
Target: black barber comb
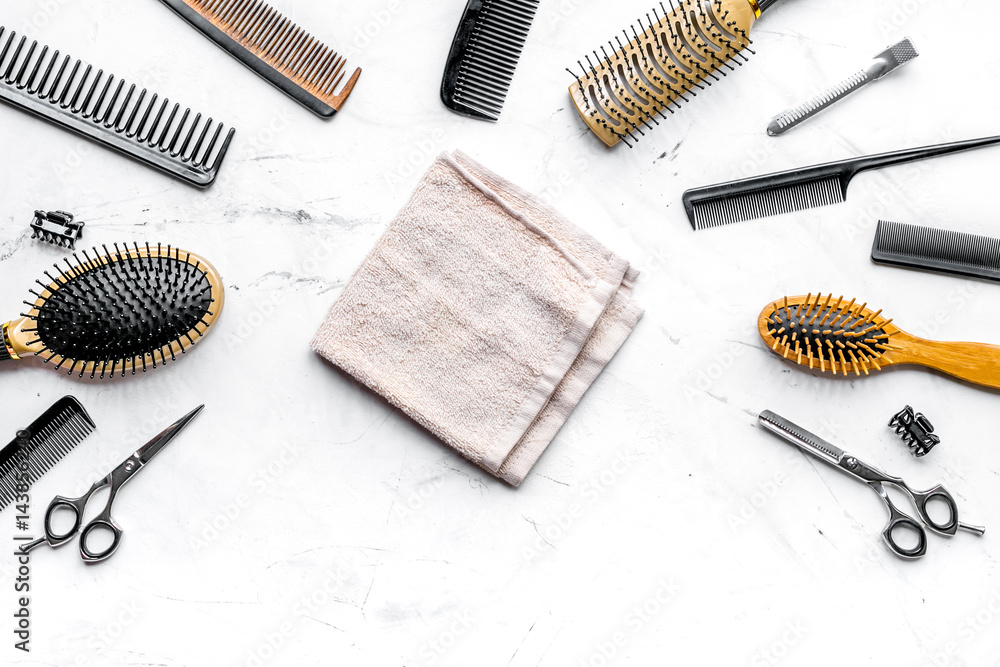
40,446
939,250
93,106
484,55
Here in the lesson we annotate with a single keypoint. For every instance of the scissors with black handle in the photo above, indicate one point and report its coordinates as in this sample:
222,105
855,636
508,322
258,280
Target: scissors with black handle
876,479
103,521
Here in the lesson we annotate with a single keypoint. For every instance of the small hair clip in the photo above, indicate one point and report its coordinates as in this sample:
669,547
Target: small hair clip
915,430
57,228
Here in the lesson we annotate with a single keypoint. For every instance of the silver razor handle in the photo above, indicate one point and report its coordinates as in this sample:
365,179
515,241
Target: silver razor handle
885,62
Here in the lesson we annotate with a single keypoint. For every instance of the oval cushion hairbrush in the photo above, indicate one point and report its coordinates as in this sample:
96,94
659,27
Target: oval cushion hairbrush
126,309
835,336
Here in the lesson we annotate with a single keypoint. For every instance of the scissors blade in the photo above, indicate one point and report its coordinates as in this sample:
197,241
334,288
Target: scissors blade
152,448
803,439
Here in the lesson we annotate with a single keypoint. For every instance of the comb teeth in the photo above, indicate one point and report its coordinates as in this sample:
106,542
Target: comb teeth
484,55
108,111
50,437
275,48
717,211
661,63
956,253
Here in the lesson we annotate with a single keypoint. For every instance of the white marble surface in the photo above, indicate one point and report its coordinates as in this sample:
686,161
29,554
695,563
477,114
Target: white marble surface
301,511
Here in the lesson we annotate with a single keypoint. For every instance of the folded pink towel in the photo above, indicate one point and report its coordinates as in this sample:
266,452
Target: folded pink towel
482,314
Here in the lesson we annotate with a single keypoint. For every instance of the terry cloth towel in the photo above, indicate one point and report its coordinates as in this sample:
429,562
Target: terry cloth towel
482,314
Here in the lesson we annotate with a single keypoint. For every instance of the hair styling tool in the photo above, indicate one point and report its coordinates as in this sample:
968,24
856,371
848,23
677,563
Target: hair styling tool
939,250
280,52
94,107
103,522
57,228
876,479
40,446
915,430
118,311
484,55
798,189
892,58
667,61
836,336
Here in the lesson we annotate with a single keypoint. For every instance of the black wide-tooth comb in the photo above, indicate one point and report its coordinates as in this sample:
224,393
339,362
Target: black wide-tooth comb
939,250
799,189
91,105
484,55
118,310
40,446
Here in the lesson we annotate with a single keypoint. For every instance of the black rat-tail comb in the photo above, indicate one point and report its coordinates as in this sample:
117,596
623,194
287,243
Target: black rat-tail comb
69,94
127,309
40,446
800,189
675,53
277,50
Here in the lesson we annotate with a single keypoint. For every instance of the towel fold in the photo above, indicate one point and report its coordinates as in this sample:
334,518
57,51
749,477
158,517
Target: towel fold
482,314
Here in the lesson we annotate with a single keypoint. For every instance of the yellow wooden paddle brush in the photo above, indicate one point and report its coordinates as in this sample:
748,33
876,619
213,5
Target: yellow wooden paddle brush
837,336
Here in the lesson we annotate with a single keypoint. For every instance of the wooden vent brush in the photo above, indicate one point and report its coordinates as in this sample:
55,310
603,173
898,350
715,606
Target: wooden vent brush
126,309
662,64
835,336
280,52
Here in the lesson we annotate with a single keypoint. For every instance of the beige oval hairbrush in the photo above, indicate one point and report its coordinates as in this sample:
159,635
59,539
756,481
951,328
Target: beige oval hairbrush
118,311
835,336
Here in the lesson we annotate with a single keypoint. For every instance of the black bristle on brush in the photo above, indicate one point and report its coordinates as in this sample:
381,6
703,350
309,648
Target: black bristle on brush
118,310
40,446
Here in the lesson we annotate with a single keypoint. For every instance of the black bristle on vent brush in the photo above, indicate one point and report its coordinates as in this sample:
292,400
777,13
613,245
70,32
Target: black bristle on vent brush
41,445
484,55
112,114
661,63
799,189
127,309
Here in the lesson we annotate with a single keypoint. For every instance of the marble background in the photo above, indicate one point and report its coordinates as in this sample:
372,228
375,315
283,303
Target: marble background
302,520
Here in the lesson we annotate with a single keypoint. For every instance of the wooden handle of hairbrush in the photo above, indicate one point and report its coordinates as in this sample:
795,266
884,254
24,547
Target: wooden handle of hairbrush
978,363
13,339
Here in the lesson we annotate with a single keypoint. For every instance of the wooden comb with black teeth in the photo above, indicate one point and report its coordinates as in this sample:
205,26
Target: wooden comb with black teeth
836,336
280,52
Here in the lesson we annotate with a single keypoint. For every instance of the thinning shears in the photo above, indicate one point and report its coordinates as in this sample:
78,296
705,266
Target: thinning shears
876,480
103,521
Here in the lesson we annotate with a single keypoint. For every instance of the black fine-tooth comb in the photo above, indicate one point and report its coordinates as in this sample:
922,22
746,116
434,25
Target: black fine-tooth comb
484,55
280,52
40,446
799,189
939,250
93,106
